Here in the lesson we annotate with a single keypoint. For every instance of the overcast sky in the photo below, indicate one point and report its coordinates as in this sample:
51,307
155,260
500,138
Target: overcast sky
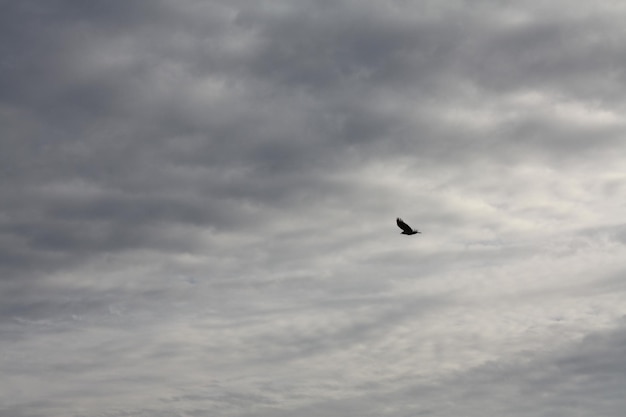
198,204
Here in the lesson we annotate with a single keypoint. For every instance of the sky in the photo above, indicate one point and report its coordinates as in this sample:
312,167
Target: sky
198,204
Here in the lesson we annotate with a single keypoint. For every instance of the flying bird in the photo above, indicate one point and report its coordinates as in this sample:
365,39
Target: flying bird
406,229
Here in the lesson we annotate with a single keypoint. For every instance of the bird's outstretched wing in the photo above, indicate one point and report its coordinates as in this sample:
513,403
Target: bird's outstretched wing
402,225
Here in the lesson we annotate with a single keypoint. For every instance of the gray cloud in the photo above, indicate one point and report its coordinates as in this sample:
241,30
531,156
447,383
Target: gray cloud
198,206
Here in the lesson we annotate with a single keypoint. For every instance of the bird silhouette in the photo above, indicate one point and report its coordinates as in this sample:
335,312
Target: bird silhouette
406,229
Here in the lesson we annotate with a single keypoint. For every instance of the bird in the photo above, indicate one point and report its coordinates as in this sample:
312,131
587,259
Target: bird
406,229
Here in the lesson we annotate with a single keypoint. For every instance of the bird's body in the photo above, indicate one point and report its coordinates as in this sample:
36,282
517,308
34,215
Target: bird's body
406,229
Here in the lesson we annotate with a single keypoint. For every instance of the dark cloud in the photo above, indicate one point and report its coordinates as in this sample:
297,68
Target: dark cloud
204,193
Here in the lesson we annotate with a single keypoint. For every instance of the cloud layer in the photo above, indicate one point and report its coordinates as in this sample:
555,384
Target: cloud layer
199,198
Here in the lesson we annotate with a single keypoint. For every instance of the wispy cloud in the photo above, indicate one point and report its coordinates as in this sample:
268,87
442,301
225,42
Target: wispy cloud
199,200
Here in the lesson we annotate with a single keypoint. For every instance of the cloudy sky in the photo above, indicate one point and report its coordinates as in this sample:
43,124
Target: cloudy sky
198,204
